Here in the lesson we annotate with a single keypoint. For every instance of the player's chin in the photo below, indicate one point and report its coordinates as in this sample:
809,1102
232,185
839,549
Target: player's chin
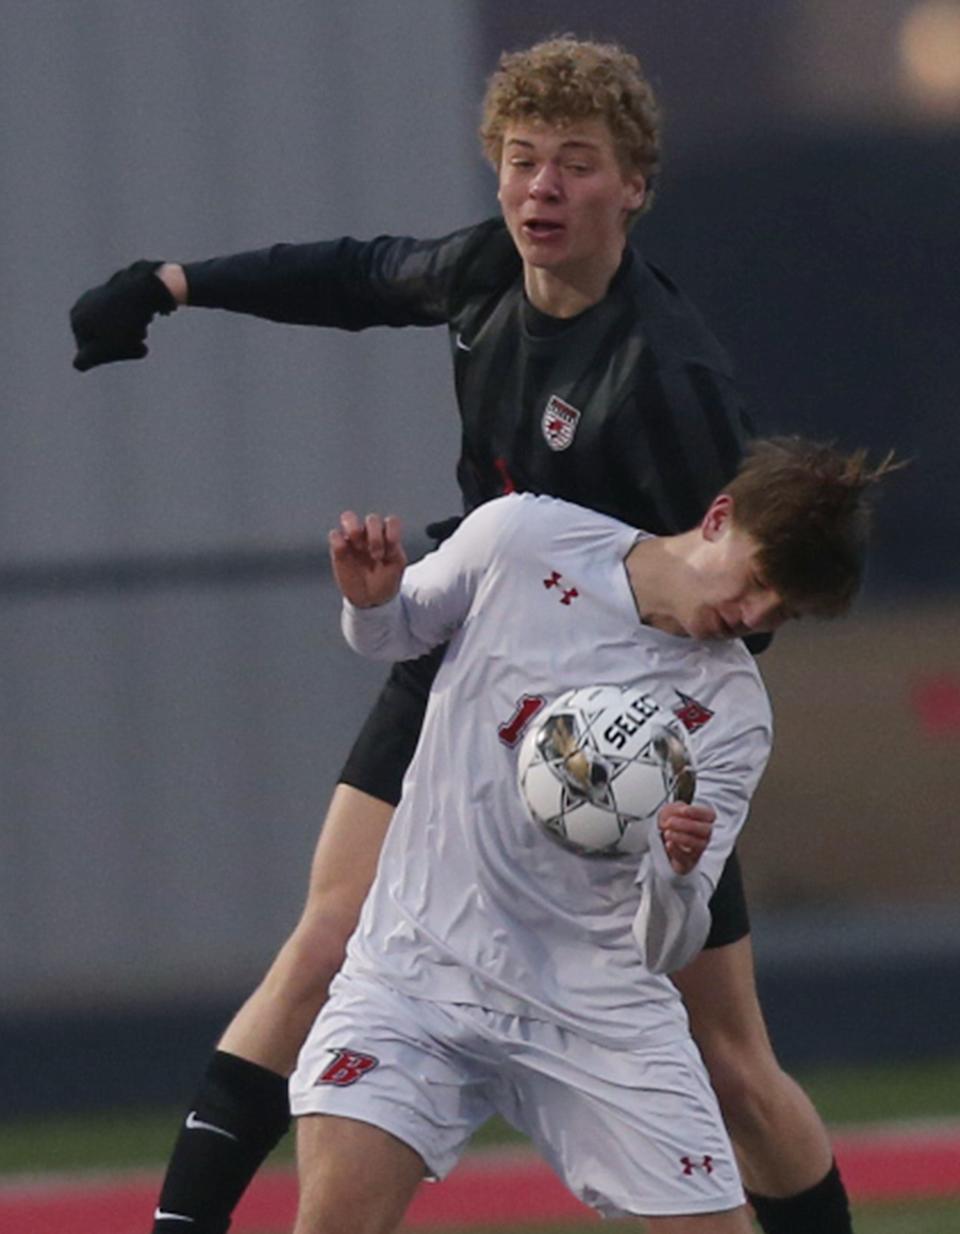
703,629
543,253
708,625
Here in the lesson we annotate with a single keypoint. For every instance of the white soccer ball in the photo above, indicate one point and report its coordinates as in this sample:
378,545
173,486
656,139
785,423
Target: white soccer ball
596,766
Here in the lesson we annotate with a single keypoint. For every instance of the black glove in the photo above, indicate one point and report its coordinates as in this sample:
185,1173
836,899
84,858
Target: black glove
110,322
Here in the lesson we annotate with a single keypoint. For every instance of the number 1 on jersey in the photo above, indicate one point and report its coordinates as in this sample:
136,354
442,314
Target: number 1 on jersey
528,706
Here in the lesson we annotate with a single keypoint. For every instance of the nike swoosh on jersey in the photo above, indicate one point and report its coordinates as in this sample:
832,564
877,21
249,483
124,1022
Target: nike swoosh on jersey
461,344
160,1215
197,1124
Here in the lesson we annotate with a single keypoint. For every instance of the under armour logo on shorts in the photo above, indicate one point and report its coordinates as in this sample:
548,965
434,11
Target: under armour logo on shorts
689,1165
346,1068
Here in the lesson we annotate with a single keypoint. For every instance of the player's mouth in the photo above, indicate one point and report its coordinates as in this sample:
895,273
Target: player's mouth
734,627
723,628
542,229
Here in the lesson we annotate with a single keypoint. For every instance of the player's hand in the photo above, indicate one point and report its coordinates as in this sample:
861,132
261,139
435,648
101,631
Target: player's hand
368,558
685,831
110,322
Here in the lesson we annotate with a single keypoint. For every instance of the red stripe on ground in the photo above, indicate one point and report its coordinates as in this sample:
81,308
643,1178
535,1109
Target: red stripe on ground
889,1167
482,1191
475,1194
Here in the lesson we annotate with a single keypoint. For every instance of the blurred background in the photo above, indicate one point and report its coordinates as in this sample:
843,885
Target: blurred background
176,699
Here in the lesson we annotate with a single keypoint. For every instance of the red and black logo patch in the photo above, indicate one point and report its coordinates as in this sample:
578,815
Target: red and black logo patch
691,714
559,423
347,1067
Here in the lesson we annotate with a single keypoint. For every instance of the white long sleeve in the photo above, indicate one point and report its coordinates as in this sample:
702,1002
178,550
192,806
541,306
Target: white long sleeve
542,604
382,632
436,593
673,920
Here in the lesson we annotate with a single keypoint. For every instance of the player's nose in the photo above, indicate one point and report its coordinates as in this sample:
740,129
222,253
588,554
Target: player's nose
546,184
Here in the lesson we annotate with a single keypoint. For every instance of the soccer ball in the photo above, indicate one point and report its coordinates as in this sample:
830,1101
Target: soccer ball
597,765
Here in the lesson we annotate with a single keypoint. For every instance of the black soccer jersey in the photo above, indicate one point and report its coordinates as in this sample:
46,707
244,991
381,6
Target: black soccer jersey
628,408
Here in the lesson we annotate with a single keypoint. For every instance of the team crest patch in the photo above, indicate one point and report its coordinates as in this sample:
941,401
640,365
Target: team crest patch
691,714
559,423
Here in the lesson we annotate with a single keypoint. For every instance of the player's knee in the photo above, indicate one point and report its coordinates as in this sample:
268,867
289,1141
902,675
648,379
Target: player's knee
740,1072
745,1081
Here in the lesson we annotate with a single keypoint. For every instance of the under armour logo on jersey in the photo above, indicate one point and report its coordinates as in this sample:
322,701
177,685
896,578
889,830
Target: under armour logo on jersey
559,423
567,594
689,1165
347,1067
691,714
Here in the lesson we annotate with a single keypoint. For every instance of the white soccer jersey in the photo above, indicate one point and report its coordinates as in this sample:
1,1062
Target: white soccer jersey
472,903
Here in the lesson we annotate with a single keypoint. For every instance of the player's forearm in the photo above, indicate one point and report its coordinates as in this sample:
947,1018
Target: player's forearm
347,284
383,632
350,284
673,920
287,283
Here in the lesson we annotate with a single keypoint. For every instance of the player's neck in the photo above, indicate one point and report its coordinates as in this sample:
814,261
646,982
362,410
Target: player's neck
658,572
570,290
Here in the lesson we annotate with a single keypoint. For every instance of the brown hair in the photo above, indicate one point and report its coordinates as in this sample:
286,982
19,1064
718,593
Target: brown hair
809,506
565,79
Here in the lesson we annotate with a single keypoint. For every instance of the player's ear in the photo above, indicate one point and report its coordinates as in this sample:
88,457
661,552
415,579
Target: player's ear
718,517
635,192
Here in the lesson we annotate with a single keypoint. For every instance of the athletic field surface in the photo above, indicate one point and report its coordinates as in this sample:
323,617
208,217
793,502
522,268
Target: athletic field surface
896,1134
506,1187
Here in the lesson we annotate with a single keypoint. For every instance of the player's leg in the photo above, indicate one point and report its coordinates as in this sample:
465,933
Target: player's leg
354,1178
760,1102
243,1092
382,1098
241,1110
782,1146
631,1131
270,1027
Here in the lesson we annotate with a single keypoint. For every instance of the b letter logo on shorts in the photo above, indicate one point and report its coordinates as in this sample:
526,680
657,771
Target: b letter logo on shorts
347,1067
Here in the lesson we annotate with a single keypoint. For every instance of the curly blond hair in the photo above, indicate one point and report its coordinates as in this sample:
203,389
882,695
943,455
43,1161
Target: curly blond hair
565,79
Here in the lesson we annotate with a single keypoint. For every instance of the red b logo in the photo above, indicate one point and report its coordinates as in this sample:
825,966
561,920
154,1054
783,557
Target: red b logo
347,1067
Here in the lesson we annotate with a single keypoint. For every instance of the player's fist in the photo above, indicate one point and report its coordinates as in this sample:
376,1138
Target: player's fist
685,831
110,322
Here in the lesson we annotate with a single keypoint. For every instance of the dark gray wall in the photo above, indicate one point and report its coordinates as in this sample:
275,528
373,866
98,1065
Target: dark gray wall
166,750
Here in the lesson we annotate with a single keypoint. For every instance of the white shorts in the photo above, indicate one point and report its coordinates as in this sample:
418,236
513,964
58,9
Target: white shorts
628,1131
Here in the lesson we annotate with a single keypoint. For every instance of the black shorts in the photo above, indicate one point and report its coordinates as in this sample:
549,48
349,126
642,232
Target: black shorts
383,750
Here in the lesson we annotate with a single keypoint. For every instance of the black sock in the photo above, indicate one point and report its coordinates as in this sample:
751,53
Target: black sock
239,1114
822,1209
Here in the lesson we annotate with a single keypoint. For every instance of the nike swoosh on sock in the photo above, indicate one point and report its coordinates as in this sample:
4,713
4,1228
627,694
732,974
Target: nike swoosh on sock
194,1123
